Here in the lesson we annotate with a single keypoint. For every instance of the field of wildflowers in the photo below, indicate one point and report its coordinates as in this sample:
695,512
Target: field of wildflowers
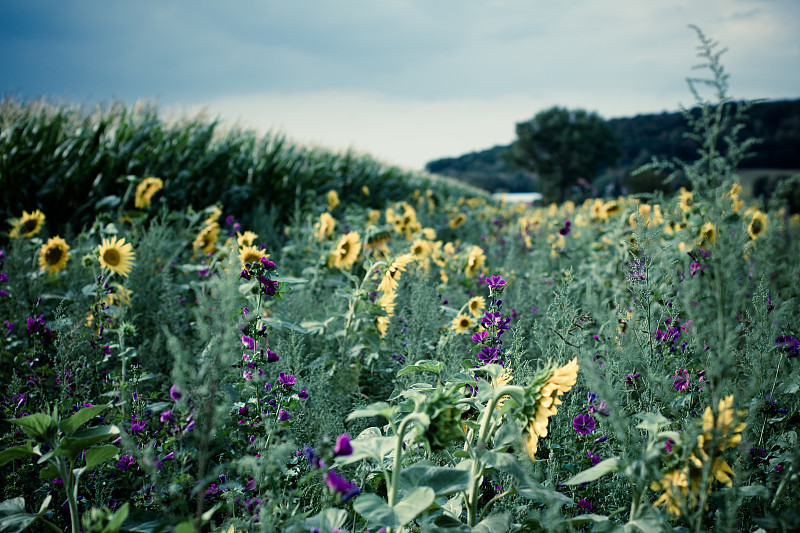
437,363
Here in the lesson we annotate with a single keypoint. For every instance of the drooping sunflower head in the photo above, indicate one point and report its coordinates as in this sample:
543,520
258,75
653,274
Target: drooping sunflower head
251,255
116,255
346,252
476,305
248,238
758,225
206,240
462,324
611,208
145,191
393,272
28,225
54,255
325,226
542,400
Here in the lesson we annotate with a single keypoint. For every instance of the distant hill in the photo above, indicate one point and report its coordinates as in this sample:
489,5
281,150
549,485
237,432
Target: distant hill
776,123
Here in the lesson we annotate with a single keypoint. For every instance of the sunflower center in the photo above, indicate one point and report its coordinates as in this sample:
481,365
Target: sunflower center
252,258
344,249
111,257
53,255
756,226
28,226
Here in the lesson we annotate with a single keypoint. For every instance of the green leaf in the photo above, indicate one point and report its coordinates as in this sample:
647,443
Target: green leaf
377,511
447,524
49,472
184,527
326,520
37,425
13,517
524,484
612,464
23,450
283,324
71,447
651,422
118,518
100,454
442,480
496,523
376,448
376,409
70,425
425,365
583,519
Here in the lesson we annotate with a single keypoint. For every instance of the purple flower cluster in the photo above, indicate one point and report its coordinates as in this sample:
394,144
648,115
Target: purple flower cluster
584,424
788,344
600,408
565,230
494,323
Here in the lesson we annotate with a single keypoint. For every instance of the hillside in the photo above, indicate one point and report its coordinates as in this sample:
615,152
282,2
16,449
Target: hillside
776,123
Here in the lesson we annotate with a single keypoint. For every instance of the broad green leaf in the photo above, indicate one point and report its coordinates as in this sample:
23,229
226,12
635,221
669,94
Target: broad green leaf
23,450
508,433
13,517
36,425
651,422
326,520
100,454
48,472
70,425
516,393
377,511
524,484
583,519
496,523
184,527
72,446
425,365
602,468
447,524
376,409
442,480
118,518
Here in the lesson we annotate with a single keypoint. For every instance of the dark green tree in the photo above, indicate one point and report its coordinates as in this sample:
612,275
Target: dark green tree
563,146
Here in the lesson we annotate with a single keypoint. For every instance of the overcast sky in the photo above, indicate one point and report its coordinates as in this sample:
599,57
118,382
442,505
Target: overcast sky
408,81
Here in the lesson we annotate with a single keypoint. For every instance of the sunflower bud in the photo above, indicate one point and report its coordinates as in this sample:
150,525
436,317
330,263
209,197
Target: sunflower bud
445,417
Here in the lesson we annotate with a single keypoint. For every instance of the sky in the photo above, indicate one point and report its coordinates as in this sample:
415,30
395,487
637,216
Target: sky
407,81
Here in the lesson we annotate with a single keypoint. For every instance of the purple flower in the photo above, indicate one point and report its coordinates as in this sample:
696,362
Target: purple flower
170,456
340,485
788,344
480,336
585,505
125,462
283,415
167,416
668,445
266,263
681,381
287,380
594,458
630,379
35,324
343,446
303,394
137,425
584,424
272,357
488,354
10,326
311,456
175,393
106,349
248,342
244,274
495,283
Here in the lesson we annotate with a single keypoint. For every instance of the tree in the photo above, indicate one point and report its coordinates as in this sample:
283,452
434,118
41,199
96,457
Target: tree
563,146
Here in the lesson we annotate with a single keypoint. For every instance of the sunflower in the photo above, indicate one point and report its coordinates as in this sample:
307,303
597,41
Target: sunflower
675,488
207,238
476,305
389,281
685,200
54,255
421,248
245,239
708,233
462,323
611,208
365,190
214,212
382,323
28,225
333,200
145,191
116,255
325,226
457,220
346,252
251,254
475,261
560,381
373,216
758,225
387,302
